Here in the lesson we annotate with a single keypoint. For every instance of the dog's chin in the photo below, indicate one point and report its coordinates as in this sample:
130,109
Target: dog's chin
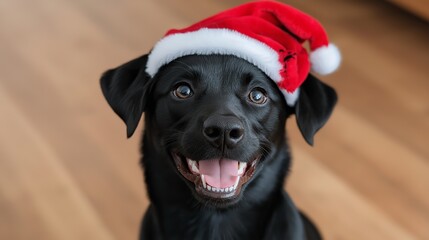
216,192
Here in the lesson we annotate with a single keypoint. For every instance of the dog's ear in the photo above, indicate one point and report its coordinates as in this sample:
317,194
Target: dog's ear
125,89
314,106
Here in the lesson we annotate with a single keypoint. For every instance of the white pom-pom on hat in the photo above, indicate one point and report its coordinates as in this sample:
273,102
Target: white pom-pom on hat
325,60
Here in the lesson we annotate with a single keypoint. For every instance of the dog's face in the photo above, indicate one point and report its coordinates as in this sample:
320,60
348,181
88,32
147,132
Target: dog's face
217,118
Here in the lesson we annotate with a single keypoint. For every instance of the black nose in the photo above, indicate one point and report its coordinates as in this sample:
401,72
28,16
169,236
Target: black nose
223,130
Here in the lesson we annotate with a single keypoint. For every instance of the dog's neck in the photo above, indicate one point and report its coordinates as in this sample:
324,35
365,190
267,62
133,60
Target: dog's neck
176,214
183,222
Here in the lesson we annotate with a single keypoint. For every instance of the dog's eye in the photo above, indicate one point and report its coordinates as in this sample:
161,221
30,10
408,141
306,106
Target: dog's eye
258,96
183,91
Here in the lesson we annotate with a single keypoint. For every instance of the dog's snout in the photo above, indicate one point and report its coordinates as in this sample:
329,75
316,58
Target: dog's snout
223,130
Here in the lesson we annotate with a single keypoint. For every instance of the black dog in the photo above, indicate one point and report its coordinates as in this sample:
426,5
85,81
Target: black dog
216,113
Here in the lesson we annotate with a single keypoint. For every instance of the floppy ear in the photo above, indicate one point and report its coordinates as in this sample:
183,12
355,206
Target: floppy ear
314,106
125,89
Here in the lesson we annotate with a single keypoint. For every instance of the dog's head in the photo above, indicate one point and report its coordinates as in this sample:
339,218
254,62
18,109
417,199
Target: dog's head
219,119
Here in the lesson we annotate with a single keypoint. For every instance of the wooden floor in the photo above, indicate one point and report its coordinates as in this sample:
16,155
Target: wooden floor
418,7
67,170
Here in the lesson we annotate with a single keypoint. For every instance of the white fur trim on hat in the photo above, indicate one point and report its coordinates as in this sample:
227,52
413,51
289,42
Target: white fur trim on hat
325,60
291,98
214,41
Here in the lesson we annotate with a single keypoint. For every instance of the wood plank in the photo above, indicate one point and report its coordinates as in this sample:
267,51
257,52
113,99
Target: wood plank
61,207
335,205
418,7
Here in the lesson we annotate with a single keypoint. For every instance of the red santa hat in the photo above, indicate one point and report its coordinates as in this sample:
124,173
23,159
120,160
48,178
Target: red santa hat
267,34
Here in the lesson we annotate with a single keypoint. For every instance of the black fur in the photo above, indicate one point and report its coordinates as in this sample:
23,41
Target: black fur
221,85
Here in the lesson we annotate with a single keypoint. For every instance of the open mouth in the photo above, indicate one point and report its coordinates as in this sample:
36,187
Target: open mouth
216,178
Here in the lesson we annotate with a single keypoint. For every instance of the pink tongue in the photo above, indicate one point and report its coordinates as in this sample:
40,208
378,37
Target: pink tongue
219,173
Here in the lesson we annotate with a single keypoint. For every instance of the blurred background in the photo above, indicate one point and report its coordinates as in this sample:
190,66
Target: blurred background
67,170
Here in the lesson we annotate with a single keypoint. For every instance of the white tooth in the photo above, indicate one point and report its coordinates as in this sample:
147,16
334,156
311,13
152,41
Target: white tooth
209,188
231,188
222,190
193,166
241,167
236,182
204,181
